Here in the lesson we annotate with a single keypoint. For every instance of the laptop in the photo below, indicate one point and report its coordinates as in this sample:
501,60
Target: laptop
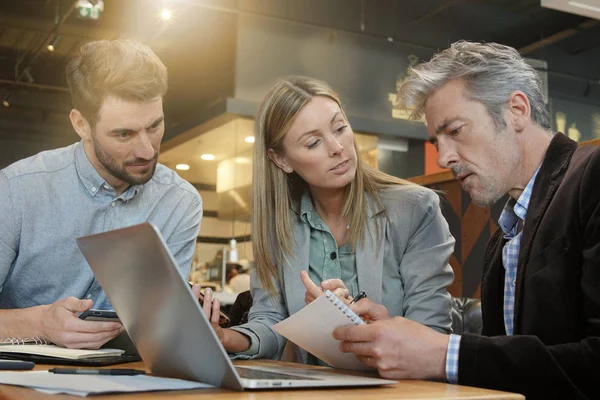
167,325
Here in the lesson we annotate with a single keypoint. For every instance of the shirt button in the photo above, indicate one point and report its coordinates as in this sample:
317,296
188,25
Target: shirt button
114,203
94,189
333,256
106,187
89,296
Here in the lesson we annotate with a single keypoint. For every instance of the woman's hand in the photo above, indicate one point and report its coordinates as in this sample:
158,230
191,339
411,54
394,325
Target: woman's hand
231,340
211,308
313,291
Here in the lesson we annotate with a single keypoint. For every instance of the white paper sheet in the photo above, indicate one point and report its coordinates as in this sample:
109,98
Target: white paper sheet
312,329
83,385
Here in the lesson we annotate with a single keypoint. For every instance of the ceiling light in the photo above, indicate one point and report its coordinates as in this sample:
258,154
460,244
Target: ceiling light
165,14
182,167
208,157
249,139
6,100
52,45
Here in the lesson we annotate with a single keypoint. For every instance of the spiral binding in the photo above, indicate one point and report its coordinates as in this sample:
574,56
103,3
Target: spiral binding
344,308
15,341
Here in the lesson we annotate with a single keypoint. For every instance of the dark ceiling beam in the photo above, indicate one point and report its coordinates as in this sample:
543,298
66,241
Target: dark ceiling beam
557,37
435,11
68,30
33,119
48,38
33,85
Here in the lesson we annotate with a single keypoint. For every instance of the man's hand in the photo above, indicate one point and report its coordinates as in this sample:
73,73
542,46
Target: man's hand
313,291
60,325
398,347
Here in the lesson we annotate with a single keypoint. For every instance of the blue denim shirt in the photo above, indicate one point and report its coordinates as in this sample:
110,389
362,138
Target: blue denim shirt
54,197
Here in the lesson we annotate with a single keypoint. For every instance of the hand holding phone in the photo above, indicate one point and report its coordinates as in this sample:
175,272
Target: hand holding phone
224,319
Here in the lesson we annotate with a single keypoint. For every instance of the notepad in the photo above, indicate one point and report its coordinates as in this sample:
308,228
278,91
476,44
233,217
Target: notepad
312,329
51,350
23,346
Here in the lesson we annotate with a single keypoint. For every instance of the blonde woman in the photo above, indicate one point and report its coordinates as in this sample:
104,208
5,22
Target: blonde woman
324,220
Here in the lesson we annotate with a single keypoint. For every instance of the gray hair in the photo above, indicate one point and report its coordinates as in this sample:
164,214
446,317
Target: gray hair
490,71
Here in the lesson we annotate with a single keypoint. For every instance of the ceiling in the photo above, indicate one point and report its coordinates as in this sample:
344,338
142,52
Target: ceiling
198,45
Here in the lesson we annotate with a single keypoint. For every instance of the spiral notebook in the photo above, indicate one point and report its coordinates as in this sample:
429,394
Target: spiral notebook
312,329
40,347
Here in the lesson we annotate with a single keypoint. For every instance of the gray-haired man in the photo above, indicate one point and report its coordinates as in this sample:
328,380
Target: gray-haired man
541,282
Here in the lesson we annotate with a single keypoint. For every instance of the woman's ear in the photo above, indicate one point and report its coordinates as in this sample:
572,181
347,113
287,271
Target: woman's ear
279,160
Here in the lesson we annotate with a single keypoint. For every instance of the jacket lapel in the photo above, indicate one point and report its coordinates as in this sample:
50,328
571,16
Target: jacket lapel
549,178
369,256
298,261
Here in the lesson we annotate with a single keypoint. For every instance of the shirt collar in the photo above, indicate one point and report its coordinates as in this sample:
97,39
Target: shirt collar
515,210
306,208
91,179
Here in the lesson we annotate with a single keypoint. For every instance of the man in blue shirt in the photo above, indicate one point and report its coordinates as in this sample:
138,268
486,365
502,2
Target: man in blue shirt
540,289
109,180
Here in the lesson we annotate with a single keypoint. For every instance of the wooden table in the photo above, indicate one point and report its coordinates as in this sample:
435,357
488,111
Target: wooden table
401,390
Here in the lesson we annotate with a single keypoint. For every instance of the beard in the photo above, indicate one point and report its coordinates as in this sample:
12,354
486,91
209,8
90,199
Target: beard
489,185
120,172
485,192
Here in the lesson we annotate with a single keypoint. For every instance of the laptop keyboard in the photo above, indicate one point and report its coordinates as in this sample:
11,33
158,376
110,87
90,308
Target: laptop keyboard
251,373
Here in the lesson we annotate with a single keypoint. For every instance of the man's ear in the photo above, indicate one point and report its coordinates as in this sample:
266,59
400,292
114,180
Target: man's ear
279,161
519,110
80,124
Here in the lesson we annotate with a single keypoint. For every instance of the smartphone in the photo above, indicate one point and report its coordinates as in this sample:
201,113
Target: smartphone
223,318
99,315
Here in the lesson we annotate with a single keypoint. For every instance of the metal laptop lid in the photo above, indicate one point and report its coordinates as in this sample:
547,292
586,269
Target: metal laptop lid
157,307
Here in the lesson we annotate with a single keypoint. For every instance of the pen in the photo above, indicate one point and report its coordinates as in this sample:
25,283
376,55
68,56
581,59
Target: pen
91,371
359,296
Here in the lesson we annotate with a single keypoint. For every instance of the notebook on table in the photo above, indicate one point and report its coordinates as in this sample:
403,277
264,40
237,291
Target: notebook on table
39,350
164,319
312,329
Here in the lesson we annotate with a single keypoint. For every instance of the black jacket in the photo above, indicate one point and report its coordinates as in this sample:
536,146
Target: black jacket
555,349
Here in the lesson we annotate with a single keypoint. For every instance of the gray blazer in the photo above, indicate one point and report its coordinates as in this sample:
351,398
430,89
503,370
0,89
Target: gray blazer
407,271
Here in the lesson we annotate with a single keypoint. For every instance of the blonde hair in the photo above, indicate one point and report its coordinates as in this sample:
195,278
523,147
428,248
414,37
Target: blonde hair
274,191
122,68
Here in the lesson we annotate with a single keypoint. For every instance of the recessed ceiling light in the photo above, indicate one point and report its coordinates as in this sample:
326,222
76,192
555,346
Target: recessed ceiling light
182,167
165,14
208,157
249,139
